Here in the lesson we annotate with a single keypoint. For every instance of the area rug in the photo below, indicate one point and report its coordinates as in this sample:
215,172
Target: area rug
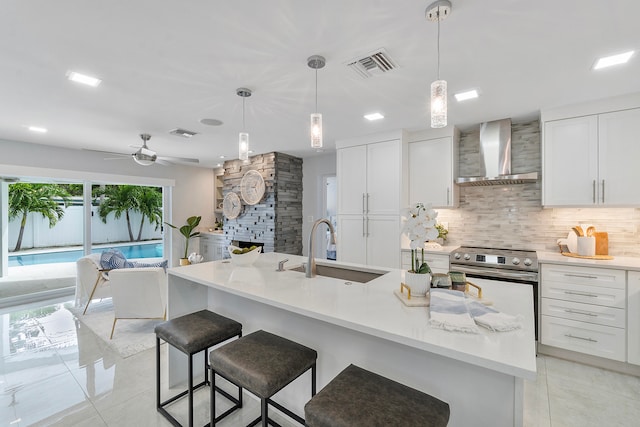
131,336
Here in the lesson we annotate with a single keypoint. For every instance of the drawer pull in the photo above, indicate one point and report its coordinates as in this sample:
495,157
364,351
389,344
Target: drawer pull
582,294
582,276
580,338
586,313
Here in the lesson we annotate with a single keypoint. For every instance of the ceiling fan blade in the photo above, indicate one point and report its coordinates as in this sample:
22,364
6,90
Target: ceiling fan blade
179,159
163,162
113,153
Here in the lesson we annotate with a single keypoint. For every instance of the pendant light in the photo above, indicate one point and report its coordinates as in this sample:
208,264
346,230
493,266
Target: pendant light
316,62
243,139
438,11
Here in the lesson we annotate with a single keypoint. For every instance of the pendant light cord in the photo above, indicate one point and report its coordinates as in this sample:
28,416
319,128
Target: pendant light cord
243,126
438,13
316,90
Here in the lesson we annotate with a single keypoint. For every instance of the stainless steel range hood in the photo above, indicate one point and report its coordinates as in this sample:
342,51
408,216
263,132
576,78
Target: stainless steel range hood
495,158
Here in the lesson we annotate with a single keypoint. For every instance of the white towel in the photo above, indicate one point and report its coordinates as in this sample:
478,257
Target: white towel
493,319
449,311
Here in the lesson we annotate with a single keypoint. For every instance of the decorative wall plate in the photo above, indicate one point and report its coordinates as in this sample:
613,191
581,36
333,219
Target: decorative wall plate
231,205
252,187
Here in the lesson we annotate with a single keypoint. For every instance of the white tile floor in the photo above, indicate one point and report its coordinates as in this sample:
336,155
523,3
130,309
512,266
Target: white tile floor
54,373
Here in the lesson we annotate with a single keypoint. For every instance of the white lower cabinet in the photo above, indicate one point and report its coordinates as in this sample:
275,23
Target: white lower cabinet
583,309
602,341
439,263
372,240
213,247
633,317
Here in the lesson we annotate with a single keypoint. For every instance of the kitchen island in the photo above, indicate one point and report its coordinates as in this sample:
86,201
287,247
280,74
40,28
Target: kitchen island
481,376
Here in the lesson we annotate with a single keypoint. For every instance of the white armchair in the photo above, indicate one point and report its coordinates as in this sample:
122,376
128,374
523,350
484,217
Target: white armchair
138,293
91,283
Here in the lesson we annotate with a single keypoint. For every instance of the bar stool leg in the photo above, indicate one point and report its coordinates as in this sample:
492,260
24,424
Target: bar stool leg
313,380
191,390
265,415
212,400
157,373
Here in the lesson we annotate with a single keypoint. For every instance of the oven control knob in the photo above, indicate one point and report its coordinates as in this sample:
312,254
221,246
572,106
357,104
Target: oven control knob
467,257
457,255
515,261
528,262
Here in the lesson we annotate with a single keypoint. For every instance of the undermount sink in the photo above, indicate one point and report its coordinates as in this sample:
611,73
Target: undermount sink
350,274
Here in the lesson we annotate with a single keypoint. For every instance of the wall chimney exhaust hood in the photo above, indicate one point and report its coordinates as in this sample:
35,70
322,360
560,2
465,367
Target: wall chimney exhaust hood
495,158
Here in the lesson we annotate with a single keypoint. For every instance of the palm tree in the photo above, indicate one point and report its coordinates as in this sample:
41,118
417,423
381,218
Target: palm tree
150,201
119,199
37,198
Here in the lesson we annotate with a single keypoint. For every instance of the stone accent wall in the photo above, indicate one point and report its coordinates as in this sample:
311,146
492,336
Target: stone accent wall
512,216
276,221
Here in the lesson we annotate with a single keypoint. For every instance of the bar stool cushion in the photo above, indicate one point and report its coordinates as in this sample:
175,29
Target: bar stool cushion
262,362
357,397
197,331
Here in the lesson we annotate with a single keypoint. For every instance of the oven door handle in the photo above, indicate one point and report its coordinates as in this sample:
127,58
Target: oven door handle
496,274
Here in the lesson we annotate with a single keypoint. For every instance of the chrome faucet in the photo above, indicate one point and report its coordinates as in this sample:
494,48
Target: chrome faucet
311,264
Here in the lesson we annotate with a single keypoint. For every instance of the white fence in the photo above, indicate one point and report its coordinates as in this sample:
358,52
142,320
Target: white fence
68,231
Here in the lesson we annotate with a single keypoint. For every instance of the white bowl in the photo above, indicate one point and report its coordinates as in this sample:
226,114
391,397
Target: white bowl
244,259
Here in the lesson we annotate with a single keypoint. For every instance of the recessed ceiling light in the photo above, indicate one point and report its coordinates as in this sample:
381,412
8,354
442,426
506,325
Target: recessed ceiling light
37,129
83,78
463,96
609,61
250,151
219,164
373,116
211,122
222,157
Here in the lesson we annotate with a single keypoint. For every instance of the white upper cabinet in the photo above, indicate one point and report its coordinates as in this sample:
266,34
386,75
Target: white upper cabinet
432,171
371,194
619,153
352,179
570,165
590,154
383,178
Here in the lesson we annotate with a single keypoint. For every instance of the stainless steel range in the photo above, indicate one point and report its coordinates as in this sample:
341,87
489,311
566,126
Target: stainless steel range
502,265
490,263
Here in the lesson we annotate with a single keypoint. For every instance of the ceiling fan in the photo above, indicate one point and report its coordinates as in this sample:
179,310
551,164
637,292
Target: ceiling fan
146,157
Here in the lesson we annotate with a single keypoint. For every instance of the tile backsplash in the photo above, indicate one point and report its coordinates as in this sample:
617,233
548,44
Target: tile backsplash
512,216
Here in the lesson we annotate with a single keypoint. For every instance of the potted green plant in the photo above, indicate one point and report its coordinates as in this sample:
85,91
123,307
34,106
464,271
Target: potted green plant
420,227
187,231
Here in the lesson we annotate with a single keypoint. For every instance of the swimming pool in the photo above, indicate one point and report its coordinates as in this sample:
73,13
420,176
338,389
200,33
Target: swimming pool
130,251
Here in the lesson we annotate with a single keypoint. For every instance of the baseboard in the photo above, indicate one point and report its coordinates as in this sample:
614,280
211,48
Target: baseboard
36,296
586,359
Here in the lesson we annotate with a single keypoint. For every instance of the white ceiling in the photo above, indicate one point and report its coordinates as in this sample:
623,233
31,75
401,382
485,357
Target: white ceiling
167,64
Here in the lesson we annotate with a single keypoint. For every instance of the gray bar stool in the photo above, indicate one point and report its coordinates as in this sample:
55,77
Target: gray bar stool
192,334
262,363
359,398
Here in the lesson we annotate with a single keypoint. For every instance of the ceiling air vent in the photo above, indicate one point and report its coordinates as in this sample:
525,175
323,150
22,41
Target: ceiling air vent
374,63
182,132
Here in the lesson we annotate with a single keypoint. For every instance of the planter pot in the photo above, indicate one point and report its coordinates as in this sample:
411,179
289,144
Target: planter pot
184,261
418,283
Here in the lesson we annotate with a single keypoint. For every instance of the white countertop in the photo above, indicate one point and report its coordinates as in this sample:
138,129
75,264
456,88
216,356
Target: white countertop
619,263
373,309
445,250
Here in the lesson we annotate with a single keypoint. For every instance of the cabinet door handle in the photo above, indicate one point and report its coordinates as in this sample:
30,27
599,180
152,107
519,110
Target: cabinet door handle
363,211
594,191
367,202
448,199
367,226
580,338
582,294
582,276
363,235
603,191
586,313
